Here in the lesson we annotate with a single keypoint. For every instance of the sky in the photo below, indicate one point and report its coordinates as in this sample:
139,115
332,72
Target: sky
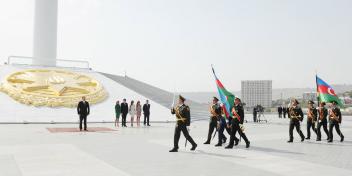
172,44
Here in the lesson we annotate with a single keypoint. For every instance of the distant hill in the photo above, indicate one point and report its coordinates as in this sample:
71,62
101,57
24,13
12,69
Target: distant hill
205,97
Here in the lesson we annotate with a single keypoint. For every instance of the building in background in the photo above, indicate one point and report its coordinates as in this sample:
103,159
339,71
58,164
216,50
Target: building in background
257,92
309,96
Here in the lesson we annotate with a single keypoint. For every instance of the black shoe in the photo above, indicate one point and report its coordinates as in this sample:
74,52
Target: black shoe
224,140
342,138
148,125
218,145
206,142
308,138
302,139
194,147
318,139
248,144
290,141
85,130
236,142
329,141
174,150
229,147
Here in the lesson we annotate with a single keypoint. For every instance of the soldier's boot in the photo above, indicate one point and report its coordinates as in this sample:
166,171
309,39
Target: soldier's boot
194,146
290,140
218,145
302,136
174,150
318,139
230,146
224,140
248,144
236,141
342,137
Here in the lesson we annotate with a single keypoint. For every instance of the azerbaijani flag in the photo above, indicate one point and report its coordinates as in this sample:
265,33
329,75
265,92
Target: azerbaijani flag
326,93
226,97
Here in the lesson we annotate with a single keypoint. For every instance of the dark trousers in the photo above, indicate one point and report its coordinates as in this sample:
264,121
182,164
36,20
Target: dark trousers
310,124
284,114
221,135
182,127
333,124
280,114
124,115
325,127
234,129
212,126
293,124
146,119
254,117
83,118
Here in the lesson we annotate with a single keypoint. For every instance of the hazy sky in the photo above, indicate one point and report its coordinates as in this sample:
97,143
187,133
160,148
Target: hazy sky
171,44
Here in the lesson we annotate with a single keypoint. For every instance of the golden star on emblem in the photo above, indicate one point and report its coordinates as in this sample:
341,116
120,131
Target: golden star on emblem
46,87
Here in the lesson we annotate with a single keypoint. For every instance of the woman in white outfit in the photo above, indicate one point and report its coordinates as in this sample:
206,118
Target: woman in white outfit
132,111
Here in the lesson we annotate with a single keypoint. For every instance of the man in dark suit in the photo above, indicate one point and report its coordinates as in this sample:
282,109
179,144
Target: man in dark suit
124,112
146,112
83,111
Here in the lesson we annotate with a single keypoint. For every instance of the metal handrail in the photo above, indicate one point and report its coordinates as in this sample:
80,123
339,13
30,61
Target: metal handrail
86,63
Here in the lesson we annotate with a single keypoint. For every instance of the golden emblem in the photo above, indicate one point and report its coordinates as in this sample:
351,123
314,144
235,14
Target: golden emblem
53,88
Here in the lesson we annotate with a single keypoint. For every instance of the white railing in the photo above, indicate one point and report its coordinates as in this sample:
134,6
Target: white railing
65,63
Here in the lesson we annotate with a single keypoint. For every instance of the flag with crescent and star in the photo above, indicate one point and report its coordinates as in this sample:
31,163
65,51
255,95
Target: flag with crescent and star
226,97
326,93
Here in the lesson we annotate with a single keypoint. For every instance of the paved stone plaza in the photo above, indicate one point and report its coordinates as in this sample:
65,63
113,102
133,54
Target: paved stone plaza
31,150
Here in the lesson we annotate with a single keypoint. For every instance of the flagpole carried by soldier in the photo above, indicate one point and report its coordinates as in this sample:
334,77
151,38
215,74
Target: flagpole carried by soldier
295,114
322,121
215,111
335,119
183,121
312,115
236,124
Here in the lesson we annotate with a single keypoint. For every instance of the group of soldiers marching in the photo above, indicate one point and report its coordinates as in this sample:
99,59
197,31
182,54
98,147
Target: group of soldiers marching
219,122
233,125
316,118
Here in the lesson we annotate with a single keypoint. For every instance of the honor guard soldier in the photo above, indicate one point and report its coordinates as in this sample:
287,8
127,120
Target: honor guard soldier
215,112
183,120
236,123
221,127
295,114
312,115
335,121
322,121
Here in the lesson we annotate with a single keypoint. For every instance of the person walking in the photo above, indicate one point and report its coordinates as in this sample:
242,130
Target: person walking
124,112
132,112
139,113
335,119
183,121
83,111
117,113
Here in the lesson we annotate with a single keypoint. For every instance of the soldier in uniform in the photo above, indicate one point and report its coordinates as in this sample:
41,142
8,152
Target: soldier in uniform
215,112
221,125
312,115
236,124
322,121
335,121
183,120
295,114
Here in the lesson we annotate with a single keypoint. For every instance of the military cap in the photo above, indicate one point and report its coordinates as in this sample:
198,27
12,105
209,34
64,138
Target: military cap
311,102
295,100
181,98
216,99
